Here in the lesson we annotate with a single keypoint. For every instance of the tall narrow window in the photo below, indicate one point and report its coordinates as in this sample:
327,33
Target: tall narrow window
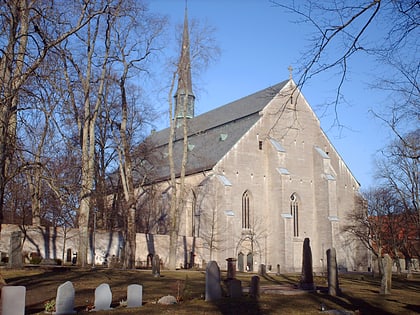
294,211
245,210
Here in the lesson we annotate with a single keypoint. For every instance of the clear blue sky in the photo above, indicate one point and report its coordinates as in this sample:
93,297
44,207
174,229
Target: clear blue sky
258,42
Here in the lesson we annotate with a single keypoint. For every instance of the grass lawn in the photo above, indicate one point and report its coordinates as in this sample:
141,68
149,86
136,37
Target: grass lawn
359,292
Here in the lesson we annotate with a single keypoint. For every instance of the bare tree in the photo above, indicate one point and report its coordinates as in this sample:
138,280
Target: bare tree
399,170
199,54
30,30
205,218
90,69
345,30
374,222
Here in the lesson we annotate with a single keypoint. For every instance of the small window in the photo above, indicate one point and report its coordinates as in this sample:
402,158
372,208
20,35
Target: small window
260,145
277,145
224,180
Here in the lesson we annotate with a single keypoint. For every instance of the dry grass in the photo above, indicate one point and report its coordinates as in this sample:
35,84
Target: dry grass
360,293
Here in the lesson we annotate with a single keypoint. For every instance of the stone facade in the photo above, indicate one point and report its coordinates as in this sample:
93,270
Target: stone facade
280,182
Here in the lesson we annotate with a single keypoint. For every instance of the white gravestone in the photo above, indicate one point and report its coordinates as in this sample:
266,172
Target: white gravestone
64,302
134,295
103,297
13,300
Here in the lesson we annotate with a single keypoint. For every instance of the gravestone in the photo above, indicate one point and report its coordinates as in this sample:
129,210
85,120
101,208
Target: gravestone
156,266
333,287
15,250
13,300
235,288
213,288
386,281
103,297
134,295
307,277
64,302
231,268
262,270
255,287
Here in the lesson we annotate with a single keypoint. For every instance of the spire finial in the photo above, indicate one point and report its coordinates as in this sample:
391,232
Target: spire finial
184,96
290,68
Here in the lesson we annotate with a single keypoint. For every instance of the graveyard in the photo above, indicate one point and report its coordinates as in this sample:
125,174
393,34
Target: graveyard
359,293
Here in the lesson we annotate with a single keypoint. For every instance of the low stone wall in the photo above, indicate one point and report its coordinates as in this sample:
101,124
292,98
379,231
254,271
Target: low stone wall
105,246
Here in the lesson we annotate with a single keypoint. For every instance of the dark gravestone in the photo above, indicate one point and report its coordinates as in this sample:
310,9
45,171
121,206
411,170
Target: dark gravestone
156,266
254,290
231,268
213,288
307,277
333,287
235,288
15,250
262,270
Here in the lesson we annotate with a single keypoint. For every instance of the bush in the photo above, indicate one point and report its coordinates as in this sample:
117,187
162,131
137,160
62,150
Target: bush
36,260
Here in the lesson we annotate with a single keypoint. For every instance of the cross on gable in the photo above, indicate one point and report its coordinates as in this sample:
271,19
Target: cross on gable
290,68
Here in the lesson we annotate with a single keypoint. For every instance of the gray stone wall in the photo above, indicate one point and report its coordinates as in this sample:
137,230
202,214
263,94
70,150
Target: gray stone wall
56,243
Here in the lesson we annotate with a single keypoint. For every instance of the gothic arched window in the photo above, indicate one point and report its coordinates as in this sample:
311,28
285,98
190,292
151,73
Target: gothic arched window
246,210
294,211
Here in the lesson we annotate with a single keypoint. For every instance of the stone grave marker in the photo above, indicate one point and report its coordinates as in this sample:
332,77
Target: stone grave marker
235,288
231,268
103,297
332,271
134,295
278,270
156,266
262,270
255,287
15,250
213,288
13,300
386,281
307,277
64,302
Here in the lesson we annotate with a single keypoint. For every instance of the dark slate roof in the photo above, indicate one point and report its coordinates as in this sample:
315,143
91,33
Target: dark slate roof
205,133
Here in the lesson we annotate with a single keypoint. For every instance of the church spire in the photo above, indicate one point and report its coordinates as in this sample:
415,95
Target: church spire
184,91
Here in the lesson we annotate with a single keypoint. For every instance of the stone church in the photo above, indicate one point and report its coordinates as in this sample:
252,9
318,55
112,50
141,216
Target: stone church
261,176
